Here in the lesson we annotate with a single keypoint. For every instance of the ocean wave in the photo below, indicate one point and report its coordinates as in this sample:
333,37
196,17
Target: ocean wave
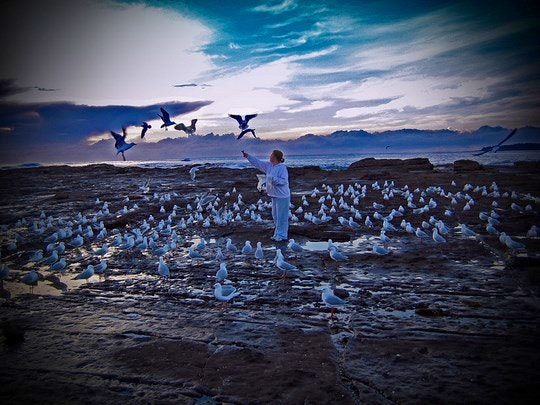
325,162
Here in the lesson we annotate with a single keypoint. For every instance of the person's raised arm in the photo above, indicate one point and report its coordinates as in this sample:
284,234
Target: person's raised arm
259,164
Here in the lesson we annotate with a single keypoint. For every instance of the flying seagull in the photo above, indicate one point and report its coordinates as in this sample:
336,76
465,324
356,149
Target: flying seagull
121,145
243,124
495,148
145,126
166,119
188,130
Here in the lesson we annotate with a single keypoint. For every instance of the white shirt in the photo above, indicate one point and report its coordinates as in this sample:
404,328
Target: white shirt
277,177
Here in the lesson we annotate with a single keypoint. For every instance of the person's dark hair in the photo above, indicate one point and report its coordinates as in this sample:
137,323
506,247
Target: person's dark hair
278,155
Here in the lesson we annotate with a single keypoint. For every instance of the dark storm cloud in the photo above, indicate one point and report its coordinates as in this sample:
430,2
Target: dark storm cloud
59,123
9,88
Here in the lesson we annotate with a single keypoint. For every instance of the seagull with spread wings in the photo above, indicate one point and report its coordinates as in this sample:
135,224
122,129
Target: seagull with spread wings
145,127
166,118
243,124
495,148
120,142
188,130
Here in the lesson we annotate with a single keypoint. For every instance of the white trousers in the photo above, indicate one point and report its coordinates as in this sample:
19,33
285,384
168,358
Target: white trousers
280,214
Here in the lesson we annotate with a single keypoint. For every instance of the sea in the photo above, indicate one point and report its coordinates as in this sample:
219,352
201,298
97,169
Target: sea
325,162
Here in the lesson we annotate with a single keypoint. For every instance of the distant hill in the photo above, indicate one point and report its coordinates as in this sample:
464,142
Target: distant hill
521,146
339,142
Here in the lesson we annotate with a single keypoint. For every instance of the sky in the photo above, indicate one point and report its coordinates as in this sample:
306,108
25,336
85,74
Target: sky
74,70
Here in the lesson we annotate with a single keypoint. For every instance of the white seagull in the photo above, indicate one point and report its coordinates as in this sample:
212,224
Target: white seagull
85,274
163,269
295,247
332,301
224,296
222,273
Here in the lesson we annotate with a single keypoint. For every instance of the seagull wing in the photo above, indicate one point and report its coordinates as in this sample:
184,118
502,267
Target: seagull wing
510,135
119,139
245,131
193,122
116,136
334,300
124,132
143,132
237,118
166,116
248,117
180,127
484,151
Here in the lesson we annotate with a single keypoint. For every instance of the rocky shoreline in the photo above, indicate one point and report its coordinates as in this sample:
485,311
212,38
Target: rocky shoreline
428,322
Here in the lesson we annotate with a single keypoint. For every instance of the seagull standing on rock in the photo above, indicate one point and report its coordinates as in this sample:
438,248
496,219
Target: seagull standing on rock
332,301
295,247
224,295
379,250
85,274
222,273
337,256
259,254
163,269
31,279
284,266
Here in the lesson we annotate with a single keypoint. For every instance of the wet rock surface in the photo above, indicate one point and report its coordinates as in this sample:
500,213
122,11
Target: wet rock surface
444,323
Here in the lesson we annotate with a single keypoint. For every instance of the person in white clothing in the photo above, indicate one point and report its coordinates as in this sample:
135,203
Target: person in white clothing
277,187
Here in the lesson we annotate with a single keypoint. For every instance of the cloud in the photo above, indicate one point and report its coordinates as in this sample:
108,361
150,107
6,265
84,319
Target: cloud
314,105
103,52
49,125
276,7
9,88
301,65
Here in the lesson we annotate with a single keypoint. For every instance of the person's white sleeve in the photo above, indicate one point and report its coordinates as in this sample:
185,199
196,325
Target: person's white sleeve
259,164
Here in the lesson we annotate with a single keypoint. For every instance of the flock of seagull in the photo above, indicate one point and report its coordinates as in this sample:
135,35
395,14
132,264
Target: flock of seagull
84,238
122,146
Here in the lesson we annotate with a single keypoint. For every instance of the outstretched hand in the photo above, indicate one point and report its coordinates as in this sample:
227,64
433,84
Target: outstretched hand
245,154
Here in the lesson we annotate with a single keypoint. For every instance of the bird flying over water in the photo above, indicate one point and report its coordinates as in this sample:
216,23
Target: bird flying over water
120,142
243,124
145,126
188,130
495,148
166,118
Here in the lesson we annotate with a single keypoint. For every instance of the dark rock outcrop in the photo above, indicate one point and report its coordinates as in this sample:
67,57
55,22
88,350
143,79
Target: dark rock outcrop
465,165
399,164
